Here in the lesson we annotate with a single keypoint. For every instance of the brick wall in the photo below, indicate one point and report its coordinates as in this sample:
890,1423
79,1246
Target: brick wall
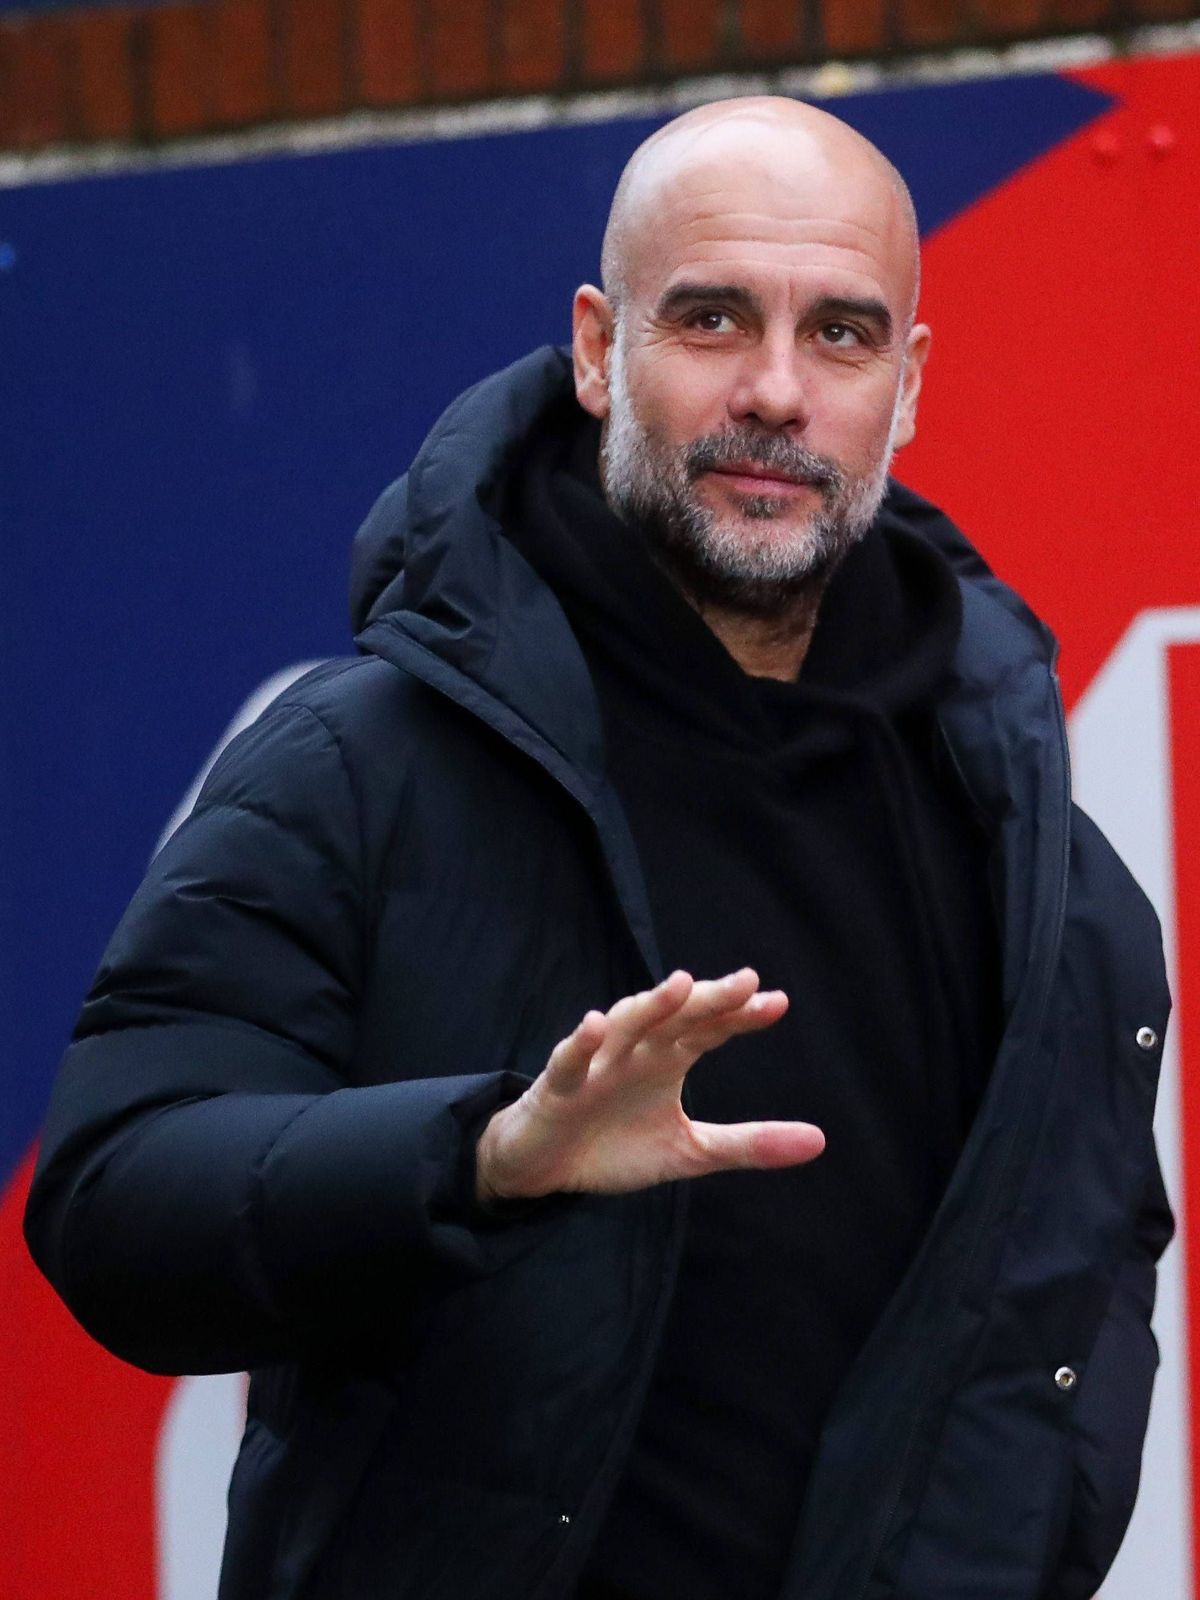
153,73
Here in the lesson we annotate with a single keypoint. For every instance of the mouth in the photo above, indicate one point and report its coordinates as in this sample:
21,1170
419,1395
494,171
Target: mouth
751,478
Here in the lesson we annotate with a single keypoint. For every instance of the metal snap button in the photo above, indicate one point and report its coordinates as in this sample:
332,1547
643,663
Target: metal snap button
563,1518
1066,1378
1146,1038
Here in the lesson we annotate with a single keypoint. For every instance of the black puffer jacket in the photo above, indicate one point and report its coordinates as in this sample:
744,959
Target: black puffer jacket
398,889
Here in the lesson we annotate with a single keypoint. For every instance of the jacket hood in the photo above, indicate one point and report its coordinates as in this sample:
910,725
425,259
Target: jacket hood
433,568
436,514
437,588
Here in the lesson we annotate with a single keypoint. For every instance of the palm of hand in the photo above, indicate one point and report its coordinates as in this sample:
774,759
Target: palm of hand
606,1114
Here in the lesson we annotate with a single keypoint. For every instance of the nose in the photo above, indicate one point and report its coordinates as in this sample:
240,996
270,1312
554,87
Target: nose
770,387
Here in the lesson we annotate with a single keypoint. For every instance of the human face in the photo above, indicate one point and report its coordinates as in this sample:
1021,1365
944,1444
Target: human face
760,371
756,553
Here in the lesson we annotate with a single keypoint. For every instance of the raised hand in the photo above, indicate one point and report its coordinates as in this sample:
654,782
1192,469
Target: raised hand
606,1116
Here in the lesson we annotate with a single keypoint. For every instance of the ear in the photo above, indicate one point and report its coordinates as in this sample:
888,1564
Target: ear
591,348
916,352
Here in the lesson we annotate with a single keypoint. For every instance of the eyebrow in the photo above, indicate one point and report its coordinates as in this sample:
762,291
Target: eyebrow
685,297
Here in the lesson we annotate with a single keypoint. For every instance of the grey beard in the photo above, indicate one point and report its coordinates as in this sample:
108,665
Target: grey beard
721,562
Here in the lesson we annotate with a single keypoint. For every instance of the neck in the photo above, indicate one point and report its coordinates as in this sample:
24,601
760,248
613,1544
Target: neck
767,647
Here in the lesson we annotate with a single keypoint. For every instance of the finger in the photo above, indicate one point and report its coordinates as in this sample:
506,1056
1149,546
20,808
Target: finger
761,1010
569,1060
631,1019
711,997
724,1146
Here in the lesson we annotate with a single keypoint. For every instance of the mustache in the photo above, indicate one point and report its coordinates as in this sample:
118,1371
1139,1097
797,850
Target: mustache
791,460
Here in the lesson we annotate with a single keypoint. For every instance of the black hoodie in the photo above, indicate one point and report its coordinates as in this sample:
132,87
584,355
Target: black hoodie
809,830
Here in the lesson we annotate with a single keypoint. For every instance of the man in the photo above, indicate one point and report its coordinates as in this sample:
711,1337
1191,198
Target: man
400,1082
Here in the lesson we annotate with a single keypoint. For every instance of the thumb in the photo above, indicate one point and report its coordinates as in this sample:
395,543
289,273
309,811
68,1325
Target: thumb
726,1146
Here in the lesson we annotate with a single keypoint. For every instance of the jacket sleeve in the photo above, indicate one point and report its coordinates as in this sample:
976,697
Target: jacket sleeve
212,1193
1113,1408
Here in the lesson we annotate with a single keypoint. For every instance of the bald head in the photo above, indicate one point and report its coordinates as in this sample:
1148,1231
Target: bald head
806,156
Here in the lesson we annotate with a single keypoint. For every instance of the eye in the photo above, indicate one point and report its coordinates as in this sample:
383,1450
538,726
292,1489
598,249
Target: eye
712,321
841,334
